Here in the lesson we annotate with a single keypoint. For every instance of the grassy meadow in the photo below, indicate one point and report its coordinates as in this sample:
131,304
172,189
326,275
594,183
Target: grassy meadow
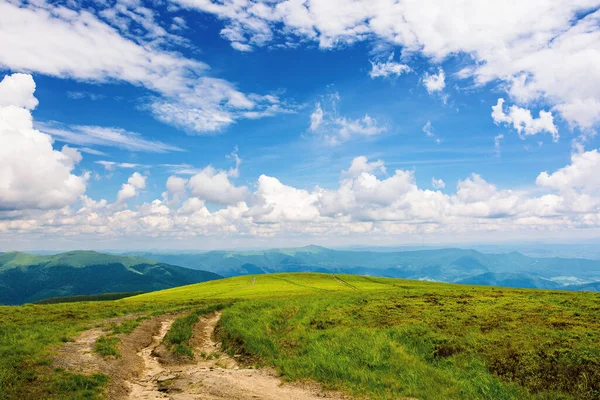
373,337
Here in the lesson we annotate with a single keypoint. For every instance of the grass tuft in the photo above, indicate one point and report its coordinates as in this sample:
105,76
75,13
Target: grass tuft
107,346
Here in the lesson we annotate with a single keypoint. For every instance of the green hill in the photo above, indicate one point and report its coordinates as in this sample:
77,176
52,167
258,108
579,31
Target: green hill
28,278
375,338
444,265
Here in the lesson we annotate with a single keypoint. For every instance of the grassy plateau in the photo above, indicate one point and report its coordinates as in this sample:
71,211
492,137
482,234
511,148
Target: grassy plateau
369,337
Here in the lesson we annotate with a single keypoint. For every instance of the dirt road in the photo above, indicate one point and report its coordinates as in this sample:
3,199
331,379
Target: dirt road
147,371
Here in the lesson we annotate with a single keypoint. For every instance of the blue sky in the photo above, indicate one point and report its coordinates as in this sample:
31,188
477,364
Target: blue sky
297,122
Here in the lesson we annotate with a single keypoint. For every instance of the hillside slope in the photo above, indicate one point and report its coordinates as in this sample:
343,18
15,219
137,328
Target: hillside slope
444,265
28,278
375,338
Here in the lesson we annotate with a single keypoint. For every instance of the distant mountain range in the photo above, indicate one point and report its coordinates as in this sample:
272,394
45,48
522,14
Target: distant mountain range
445,265
26,278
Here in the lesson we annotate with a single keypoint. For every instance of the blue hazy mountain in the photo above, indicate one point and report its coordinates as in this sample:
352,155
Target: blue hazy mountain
511,269
28,278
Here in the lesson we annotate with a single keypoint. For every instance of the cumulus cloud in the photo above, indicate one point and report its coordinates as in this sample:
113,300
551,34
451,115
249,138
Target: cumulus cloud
522,120
362,164
214,186
33,175
135,183
275,202
17,90
366,202
176,185
582,174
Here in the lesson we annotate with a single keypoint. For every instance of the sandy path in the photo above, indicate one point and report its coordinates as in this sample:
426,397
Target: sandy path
213,374
147,385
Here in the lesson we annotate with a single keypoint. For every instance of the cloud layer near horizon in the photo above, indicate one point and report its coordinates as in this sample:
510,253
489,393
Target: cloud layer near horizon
41,194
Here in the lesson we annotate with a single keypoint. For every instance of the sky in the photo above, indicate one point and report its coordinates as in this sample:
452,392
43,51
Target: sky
199,124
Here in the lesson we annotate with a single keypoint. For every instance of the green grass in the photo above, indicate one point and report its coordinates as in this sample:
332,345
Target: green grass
127,326
383,338
107,346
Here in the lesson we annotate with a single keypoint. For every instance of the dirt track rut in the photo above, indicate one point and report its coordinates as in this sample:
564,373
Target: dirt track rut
213,375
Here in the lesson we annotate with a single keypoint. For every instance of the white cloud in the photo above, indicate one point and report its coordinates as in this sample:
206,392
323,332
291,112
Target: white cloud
84,135
176,185
522,120
33,175
475,189
582,174
384,69
274,202
435,82
214,186
437,183
121,44
540,50
361,164
57,41
211,104
135,183
364,205
17,90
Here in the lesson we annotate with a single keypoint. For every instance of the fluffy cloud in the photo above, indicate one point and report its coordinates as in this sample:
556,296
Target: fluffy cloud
435,82
135,183
176,184
582,174
214,186
522,120
33,175
17,90
275,202
361,164
366,203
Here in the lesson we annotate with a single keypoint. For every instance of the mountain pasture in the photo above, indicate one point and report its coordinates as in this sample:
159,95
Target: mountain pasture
367,337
